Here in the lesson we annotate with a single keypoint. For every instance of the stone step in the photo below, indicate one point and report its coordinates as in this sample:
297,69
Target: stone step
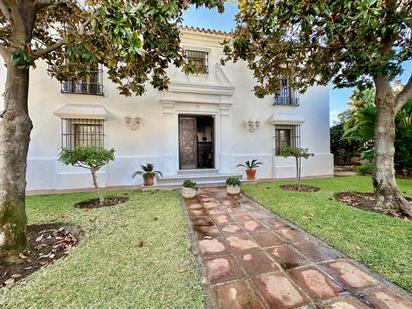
201,179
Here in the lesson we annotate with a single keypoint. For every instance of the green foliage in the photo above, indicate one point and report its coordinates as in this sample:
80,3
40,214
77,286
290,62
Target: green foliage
89,157
359,124
250,164
348,42
364,169
148,171
188,183
233,181
343,150
296,152
136,40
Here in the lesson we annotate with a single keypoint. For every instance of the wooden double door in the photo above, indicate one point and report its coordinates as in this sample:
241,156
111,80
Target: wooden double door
196,142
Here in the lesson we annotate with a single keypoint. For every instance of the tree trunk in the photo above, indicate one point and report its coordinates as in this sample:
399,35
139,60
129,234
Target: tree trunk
15,128
389,197
96,185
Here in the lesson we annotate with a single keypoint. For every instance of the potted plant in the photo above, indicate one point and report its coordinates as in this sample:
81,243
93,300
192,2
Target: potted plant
148,174
233,185
189,189
250,168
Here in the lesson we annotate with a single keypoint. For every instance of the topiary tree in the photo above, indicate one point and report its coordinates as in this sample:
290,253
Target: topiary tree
298,154
88,157
135,40
349,43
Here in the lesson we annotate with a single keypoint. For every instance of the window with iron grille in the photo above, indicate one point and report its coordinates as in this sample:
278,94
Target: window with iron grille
91,84
286,136
286,95
82,132
199,59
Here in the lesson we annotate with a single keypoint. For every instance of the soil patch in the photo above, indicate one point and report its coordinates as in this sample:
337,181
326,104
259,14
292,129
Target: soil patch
46,244
365,201
95,203
299,188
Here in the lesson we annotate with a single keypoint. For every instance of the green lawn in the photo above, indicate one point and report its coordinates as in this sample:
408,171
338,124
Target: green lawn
108,269
381,242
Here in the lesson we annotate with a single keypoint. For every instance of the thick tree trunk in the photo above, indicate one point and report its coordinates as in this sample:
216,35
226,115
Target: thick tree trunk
386,189
15,128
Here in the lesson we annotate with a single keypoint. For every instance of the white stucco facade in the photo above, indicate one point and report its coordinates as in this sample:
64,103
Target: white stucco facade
224,93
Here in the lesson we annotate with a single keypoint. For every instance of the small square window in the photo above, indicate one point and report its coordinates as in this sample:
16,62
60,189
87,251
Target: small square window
199,59
82,132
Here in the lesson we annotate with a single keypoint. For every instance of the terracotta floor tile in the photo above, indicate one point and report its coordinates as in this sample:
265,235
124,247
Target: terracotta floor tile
350,303
349,274
292,235
213,246
261,214
222,219
242,217
315,251
253,226
217,211
210,205
238,295
197,213
267,239
279,292
202,221
256,262
275,223
196,205
286,256
231,228
206,231
221,269
316,283
389,299
241,242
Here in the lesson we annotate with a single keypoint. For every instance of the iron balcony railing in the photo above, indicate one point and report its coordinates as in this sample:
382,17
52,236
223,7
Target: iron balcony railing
82,88
286,97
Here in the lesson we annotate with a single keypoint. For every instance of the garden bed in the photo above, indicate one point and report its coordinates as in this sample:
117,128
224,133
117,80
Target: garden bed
46,244
95,203
299,188
365,201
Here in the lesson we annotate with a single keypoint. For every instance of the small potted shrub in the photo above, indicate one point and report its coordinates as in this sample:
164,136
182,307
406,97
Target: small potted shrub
233,185
250,167
189,189
148,174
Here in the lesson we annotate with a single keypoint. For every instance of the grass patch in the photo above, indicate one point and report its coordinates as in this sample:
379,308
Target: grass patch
108,269
379,241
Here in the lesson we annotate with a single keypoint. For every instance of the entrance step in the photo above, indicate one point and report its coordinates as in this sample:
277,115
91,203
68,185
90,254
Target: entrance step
200,178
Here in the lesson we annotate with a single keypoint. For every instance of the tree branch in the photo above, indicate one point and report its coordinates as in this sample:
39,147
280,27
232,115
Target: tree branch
40,4
5,10
404,95
41,52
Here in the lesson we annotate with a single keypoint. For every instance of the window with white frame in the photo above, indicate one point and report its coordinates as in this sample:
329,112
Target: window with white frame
200,59
286,136
90,84
82,132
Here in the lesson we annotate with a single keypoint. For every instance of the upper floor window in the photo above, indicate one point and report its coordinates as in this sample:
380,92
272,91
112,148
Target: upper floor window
286,136
286,95
91,84
200,60
82,132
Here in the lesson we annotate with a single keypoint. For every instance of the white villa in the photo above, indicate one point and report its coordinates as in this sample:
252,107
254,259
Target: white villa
201,128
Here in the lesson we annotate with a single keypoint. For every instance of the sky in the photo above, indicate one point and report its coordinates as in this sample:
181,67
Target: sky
211,19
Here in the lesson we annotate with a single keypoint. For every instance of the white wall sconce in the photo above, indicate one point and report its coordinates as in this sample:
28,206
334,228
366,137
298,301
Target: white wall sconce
253,125
132,122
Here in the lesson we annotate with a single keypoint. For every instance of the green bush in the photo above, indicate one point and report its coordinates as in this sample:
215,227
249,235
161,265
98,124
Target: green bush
188,183
233,181
364,169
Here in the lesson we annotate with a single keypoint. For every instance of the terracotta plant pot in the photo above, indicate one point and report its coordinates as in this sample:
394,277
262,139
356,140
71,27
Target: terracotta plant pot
233,190
188,193
148,180
251,174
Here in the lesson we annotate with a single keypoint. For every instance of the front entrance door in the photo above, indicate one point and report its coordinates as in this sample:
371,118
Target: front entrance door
196,142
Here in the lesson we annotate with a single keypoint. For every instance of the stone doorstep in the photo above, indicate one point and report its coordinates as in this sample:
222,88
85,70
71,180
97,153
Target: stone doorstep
236,265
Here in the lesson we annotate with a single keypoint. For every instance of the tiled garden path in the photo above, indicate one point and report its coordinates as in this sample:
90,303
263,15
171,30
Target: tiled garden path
253,259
